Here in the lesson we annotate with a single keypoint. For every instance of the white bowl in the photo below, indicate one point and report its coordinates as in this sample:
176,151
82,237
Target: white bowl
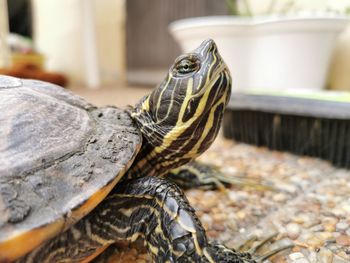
267,52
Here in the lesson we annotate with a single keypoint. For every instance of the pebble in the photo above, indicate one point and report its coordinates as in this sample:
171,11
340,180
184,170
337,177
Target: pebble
218,227
213,234
298,257
232,225
346,207
317,228
301,260
241,215
293,230
325,256
342,226
206,219
347,232
325,236
343,240
330,224
219,217
338,259
315,242
310,207
339,211
312,257
280,197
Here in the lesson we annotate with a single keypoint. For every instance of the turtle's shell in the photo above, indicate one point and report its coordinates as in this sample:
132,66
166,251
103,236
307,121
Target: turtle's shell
59,157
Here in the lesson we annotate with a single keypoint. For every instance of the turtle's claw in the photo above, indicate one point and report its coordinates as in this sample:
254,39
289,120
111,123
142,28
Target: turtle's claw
257,246
246,244
219,253
250,252
243,182
273,252
254,249
199,175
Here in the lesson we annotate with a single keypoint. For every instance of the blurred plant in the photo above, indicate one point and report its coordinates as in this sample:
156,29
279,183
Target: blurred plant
234,9
242,7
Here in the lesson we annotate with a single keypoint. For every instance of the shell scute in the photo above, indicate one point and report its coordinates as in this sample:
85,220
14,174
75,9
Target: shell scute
59,157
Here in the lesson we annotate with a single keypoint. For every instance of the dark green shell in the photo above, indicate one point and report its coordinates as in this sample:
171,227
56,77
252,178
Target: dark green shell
57,152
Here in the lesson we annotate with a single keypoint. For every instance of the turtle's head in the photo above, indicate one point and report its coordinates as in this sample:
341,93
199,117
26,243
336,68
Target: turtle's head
182,116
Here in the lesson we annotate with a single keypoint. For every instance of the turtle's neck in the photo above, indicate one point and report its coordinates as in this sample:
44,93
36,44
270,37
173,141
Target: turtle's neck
158,153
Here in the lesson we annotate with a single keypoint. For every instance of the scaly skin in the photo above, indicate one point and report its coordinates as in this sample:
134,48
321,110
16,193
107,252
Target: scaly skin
179,120
148,207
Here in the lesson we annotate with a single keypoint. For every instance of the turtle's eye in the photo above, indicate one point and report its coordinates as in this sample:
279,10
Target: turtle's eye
186,65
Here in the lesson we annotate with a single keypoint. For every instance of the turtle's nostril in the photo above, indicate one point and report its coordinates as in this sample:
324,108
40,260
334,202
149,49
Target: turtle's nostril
207,45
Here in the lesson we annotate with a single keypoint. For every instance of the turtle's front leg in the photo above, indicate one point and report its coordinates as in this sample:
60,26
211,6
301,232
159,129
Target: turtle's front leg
148,207
158,211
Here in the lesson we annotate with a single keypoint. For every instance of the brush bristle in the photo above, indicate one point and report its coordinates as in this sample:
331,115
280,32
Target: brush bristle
303,135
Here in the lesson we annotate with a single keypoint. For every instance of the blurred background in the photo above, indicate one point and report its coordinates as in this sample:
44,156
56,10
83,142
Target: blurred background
113,52
105,47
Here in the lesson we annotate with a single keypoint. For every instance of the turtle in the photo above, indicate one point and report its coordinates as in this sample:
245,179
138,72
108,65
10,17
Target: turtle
76,178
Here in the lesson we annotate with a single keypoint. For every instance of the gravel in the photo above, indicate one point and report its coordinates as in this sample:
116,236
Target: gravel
307,203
